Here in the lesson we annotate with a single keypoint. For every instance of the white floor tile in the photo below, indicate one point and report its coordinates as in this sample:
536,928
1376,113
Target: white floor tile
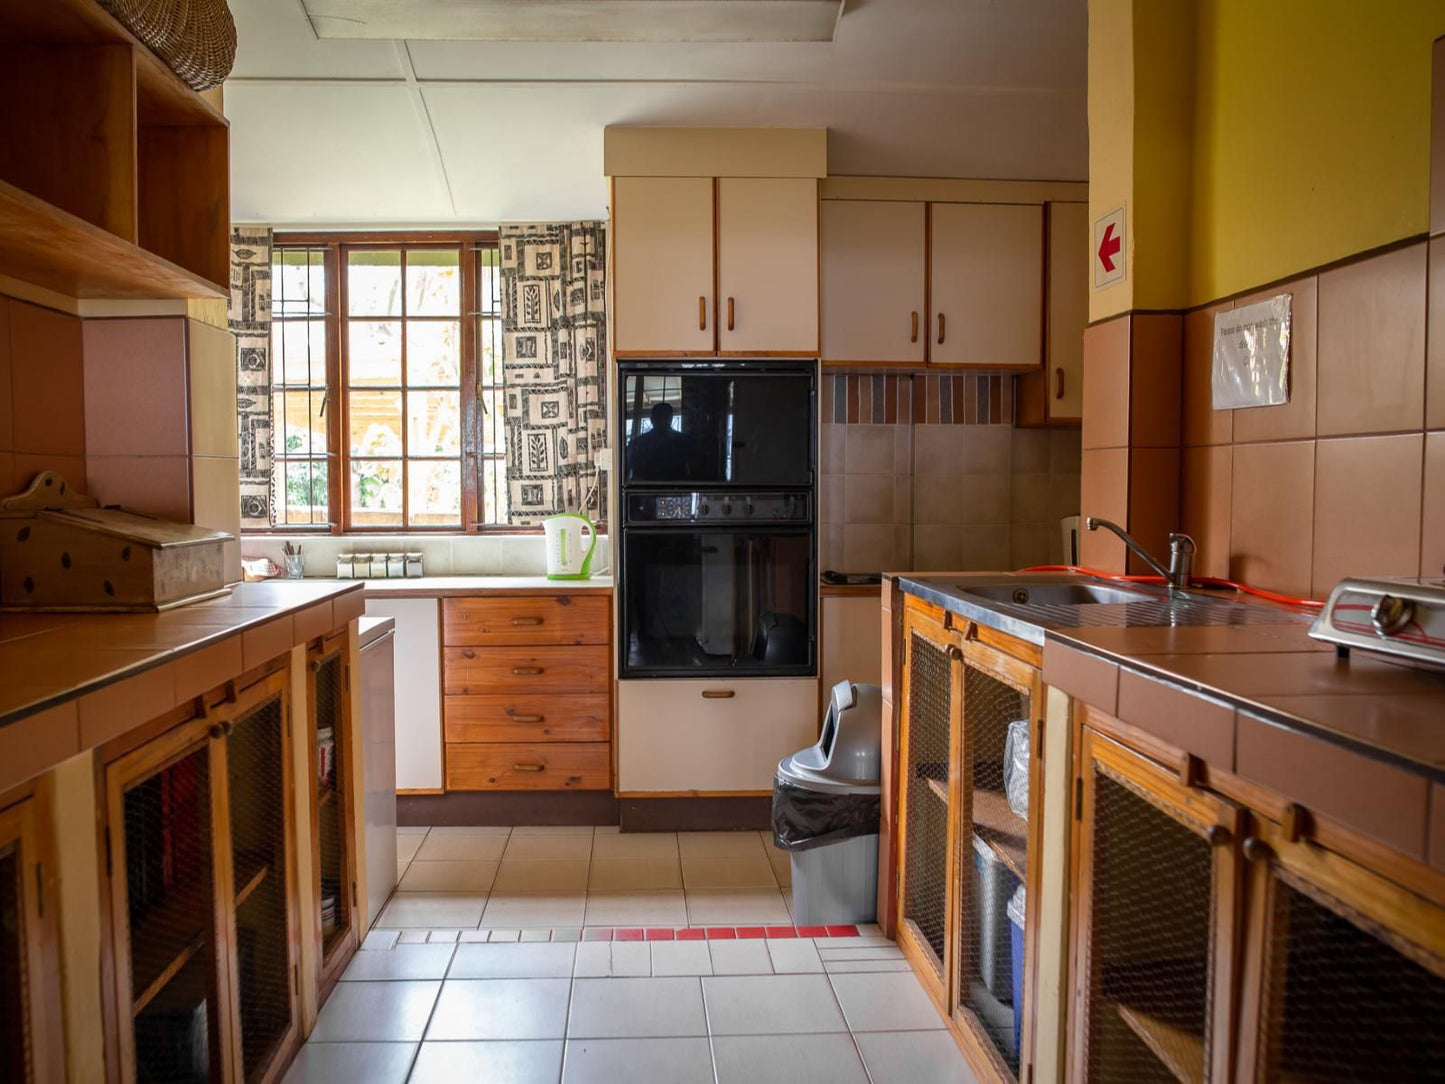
499,935
709,873
771,1005
795,956
463,844
681,958
517,1062
789,1059
740,957
431,910
594,960
450,875
612,845
524,960
636,1008
413,937
663,908
500,1009
607,1061
554,830
347,1063
911,1057
846,967
885,1002
631,959
737,907
886,951
719,844
443,937
402,962
538,935
376,1012
542,876
473,936
531,847
411,830
522,910
634,874
379,940
407,846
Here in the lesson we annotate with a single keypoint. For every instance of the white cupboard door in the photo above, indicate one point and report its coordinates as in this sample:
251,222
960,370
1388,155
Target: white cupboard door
767,265
418,690
987,282
852,641
662,241
1068,307
874,262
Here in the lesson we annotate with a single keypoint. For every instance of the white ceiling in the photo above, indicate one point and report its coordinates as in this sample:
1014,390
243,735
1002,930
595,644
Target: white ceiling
381,133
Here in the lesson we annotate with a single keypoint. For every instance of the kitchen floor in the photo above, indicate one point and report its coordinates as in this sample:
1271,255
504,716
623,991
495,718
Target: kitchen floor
583,955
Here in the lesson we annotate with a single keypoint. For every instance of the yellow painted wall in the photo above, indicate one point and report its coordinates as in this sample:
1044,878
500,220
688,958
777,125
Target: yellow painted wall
1111,138
1311,134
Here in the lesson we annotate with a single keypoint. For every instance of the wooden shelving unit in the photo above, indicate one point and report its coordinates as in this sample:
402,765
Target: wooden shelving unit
1005,832
1180,1050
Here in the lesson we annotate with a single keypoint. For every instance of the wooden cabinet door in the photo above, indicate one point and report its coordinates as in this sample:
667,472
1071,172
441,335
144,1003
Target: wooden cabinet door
1068,311
662,282
767,265
1155,924
333,803
987,286
874,263
32,1047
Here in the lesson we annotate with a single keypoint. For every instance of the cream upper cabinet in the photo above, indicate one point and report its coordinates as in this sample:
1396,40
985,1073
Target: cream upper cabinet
874,263
986,268
1068,308
662,238
767,265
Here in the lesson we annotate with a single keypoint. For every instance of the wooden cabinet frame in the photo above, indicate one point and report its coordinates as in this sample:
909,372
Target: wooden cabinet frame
331,965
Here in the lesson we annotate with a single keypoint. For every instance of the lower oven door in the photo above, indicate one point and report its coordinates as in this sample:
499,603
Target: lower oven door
712,601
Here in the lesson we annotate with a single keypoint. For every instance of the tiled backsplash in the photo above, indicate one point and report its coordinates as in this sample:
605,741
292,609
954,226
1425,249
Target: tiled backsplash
470,555
937,478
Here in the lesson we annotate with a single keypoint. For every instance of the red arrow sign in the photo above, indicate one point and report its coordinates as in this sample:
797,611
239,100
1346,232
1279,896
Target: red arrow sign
1108,248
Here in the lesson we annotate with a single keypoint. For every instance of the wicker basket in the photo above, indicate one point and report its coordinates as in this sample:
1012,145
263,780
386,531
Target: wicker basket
196,38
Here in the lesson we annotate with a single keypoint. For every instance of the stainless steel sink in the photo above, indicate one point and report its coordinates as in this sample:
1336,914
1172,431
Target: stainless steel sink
1053,593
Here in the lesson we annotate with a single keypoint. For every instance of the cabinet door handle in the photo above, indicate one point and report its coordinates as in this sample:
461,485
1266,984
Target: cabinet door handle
702,314
468,653
730,314
1059,383
529,767
913,336
526,671
940,329
518,622
718,694
528,718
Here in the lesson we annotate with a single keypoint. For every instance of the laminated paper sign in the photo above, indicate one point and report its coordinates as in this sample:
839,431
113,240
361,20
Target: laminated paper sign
1251,355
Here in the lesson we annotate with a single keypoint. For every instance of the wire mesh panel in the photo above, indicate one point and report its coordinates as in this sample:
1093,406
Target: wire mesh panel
1149,941
167,819
14,1002
925,863
993,845
255,770
1344,1000
331,798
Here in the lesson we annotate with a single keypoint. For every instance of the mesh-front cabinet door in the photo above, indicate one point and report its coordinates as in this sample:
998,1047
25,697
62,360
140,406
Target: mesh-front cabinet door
331,735
1345,974
30,1043
928,785
168,892
1156,910
258,776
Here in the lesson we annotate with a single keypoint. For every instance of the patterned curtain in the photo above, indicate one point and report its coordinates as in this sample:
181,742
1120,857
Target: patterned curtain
554,365
250,320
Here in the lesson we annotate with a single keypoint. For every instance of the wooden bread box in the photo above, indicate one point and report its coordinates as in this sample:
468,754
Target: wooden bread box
59,551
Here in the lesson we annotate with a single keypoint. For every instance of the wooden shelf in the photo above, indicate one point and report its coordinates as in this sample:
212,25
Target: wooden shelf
328,795
1005,832
251,873
156,954
940,788
54,249
1181,1051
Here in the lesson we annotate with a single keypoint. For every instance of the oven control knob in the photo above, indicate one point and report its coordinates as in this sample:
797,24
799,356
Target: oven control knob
702,509
727,509
1391,615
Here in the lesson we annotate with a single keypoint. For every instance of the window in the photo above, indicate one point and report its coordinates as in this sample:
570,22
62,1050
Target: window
387,383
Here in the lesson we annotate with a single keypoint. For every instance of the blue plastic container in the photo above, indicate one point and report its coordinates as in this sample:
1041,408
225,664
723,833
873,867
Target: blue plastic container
1016,951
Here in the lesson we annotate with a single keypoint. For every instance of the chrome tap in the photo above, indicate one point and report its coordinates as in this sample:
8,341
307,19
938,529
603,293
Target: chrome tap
1179,574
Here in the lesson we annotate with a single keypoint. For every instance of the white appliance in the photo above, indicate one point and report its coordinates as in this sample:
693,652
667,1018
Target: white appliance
1400,617
569,554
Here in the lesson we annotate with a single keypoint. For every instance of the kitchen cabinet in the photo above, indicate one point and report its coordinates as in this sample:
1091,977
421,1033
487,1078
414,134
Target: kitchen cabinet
333,807
851,641
705,267
31,1044
418,690
1055,394
199,837
527,684
377,681
986,285
874,289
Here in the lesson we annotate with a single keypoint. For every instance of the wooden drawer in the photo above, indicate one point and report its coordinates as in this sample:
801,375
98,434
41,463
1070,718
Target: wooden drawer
528,717
526,619
530,766
481,671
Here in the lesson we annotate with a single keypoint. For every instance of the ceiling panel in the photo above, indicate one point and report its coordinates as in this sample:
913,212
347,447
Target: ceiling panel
274,38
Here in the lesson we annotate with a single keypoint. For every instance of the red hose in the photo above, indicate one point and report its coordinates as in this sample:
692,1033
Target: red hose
1205,581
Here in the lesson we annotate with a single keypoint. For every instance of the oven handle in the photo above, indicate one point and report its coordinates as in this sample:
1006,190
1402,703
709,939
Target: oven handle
718,694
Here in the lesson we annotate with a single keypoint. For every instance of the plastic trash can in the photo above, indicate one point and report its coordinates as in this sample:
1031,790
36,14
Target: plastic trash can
993,884
826,812
1016,944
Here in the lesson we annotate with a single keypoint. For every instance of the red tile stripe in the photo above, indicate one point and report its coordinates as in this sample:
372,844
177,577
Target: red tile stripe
713,933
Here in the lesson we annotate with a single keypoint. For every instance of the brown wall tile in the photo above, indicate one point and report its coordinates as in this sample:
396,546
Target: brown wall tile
135,381
1432,533
1083,676
1372,344
211,355
1104,492
1435,329
1378,799
1367,508
1294,420
7,432
1195,724
159,485
1106,384
1201,423
1206,477
1155,371
1271,519
46,381
25,466
1153,502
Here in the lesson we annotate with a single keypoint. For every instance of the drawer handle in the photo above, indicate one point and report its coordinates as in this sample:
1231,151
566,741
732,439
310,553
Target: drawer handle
730,314
941,326
702,314
529,767
528,718
518,622
718,694
468,653
526,671
913,338
1059,383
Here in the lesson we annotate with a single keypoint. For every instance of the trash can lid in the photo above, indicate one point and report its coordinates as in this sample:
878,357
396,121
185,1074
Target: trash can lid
848,755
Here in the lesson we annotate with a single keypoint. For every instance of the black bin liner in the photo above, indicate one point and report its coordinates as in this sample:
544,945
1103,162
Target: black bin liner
804,818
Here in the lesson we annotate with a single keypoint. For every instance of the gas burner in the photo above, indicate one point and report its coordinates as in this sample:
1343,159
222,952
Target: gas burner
1400,617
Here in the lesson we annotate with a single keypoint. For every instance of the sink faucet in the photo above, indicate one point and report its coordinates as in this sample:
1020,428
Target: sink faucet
1179,574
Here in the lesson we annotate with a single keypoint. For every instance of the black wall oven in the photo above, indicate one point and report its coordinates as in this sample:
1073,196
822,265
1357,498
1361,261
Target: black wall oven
717,568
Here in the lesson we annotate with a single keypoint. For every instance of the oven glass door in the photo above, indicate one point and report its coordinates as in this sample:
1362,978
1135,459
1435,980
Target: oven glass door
714,601
709,427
